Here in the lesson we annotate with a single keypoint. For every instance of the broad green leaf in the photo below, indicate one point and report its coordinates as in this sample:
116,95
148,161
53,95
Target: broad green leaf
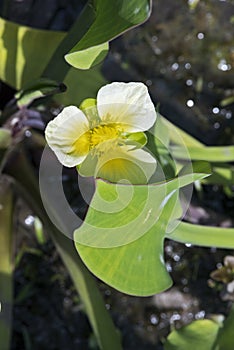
225,339
89,57
23,55
111,19
136,268
121,240
23,60
206,236
120,214
198,335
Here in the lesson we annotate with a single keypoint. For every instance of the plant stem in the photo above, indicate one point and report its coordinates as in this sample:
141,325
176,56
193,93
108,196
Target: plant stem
6,265
103,327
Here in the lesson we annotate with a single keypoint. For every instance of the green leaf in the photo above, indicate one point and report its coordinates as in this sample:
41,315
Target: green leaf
120,214
23,61
5,141
196,167
198,335
100,320
164,158
22,55
225,340
39,232
137,139
121,240
39,88
209,153
111,19
186,147
81,85
160,131
5,138
222,174
89,57
6,265
184,138
227,101
158,144
88,103
206,236
136,268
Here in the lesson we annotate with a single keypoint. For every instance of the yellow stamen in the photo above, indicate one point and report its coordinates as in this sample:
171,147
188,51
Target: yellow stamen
97,138
103,133
82,145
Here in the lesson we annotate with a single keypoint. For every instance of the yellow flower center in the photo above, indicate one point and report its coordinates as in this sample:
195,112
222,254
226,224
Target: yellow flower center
103,133
97,138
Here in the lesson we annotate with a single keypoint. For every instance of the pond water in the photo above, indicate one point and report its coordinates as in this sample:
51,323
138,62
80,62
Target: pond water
186,58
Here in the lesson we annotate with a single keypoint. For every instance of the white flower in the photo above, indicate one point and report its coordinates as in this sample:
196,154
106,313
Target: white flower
105,139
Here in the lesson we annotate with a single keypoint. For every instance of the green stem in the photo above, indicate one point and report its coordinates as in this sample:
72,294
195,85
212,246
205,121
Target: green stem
103,327
205,236
57,67
6,265
207,153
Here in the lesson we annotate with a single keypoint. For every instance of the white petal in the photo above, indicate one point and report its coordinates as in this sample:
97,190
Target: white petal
63,131
124,164
126,103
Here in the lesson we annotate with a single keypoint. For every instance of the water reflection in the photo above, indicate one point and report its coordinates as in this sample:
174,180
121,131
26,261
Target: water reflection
215,110
200,36
223,66
190,103
186,57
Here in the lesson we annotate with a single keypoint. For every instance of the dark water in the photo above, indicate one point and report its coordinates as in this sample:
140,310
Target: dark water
186,58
